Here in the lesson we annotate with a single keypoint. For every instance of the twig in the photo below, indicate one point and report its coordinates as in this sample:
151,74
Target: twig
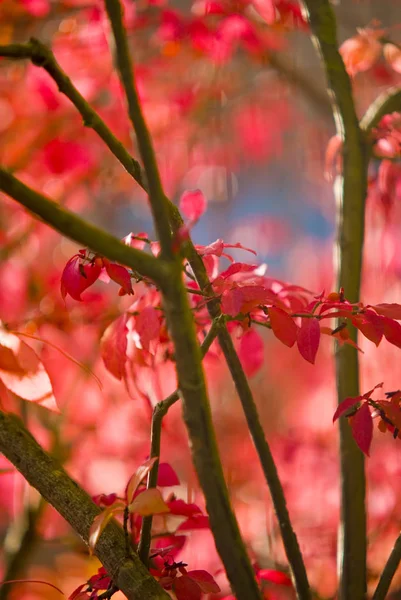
350,233
386,103
50,479
159,412
124,62
388,572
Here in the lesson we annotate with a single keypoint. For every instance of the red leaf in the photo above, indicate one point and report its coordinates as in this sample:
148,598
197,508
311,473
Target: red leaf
120,275
193,204
77,277
113,347
362,428
251,352
370,325
308,339
283,326
392,311
167,476
195,522
205,581
186,588
180,507
344,406
392,331
277,577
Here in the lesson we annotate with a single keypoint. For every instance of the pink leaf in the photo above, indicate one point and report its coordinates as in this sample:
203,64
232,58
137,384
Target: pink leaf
392,311
205,581
120,275
147,325
362,428
193,204
283,326
149,502
23,373
167,476
186,588
308,339
251,352
36,8
113,347
344,406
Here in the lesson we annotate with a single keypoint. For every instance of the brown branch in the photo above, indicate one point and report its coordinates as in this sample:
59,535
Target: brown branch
50,479
389,570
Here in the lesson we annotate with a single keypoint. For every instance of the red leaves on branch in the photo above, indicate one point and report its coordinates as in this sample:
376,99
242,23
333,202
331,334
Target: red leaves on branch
193,204
82,270
113,347
360,416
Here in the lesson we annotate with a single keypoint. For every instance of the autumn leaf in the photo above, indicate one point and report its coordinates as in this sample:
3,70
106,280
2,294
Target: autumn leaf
308,339
137,477
113,347
283,326
362,428
148,502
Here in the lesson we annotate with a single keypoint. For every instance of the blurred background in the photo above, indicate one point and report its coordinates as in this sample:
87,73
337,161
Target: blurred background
235,96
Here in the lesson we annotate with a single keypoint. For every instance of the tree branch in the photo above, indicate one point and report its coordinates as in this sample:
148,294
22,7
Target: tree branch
289,537
81,231
45,474
124,62
386,103
43,57
352,546
159,412
388,572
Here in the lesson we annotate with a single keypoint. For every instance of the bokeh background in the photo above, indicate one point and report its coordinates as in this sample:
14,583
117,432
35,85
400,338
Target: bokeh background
236,101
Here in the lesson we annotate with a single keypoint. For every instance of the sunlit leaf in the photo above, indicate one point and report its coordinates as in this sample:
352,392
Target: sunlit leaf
149,502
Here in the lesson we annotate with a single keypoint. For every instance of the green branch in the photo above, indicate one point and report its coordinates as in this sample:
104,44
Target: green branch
389,570
124,63
159,412
386,103
290,542
81,231
46,475
43,57
352,547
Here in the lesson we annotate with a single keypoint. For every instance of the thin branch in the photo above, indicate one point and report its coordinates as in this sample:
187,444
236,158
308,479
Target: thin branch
386,103
124,62
43,57
388,573
351,203
159,412
290,541
81,231
50,479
